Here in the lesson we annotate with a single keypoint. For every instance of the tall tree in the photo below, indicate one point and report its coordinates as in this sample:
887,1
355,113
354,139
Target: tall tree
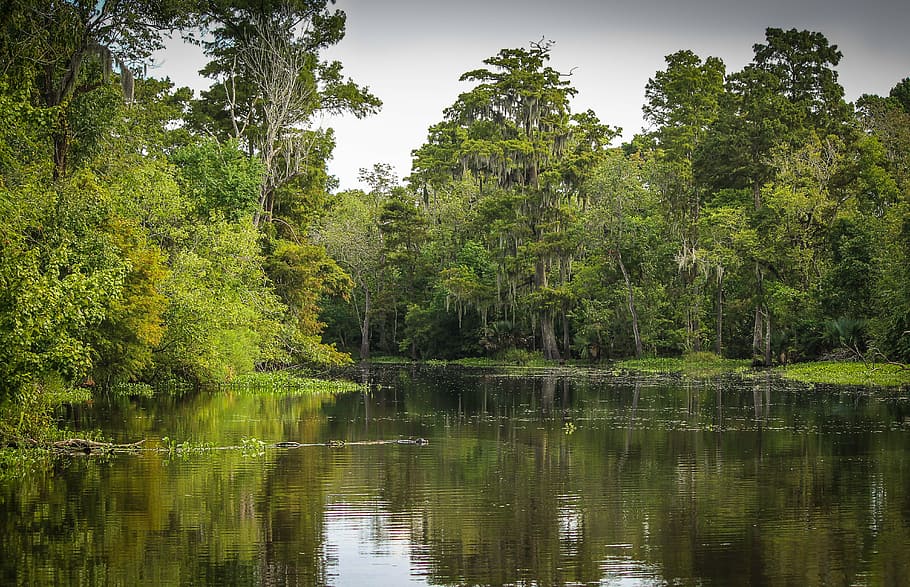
353,235
804,62
516,129
271,83
786,97
682,102
620,222
72,47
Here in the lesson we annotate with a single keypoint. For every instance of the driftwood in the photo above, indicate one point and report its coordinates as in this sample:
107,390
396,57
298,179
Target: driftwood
342,443
81,445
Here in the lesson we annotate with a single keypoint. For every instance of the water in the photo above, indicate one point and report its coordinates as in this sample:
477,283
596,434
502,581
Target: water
553,479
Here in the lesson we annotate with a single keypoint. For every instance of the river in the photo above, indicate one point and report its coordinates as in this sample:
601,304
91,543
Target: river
564,477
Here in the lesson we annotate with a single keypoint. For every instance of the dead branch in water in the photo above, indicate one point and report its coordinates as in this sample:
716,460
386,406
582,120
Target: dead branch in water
81,445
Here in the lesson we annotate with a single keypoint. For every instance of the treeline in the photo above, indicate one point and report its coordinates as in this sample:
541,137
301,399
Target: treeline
145,234
761,216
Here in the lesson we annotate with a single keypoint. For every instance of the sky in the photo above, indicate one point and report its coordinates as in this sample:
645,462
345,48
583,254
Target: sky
410,53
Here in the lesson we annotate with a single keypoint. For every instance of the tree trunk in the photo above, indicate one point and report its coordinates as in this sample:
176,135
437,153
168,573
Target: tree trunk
365,328
767,314
761,336
757,337
548,337
61,150
564,311
695,322
548,343
631,302
761,333
718,343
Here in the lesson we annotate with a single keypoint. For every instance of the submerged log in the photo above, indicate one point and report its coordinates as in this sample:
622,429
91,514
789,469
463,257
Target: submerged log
76,446
82,445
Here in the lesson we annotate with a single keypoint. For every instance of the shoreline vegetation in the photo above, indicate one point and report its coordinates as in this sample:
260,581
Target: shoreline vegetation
33,425
703,365
28,421
150,235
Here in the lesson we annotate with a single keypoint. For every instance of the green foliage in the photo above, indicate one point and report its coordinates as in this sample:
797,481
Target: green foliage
222,317
127,252
145,235
219,178
594,320
846,289
432,332
302,274
131,390
848,373
289,383
271,83
134,325
62,273
804,62
682,101
28,416
846,332
701,364
78,44
520,357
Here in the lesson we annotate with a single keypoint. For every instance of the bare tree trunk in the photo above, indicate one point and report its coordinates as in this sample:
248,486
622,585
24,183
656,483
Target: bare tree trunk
365,327
631,301
548,342
761,336
767,314
757,337
718,343
761,333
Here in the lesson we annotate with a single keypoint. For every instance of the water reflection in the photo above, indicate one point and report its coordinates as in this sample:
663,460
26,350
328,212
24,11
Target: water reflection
733,481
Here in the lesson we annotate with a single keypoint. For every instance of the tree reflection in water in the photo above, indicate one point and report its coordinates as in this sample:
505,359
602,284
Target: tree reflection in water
657,480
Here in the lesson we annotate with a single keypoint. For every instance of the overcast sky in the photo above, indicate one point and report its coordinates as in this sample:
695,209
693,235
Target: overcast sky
411,53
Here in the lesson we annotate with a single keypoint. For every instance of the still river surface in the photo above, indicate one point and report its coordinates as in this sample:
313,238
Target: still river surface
553,478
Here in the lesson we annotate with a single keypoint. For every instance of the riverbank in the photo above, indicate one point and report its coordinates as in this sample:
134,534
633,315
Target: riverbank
29,418
706,365
847,373
815,372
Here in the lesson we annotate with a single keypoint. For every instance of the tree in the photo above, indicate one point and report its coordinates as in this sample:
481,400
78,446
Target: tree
786,97
887,120
79,287
516,129
683,102
222,317
218,178
73,45
621,218
353,236
728,242
271,83
804,62
302,274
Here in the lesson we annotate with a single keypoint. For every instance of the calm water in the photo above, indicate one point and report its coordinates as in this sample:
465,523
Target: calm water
545,480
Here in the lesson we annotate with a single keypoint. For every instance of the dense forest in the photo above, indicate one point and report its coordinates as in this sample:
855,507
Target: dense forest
147,233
